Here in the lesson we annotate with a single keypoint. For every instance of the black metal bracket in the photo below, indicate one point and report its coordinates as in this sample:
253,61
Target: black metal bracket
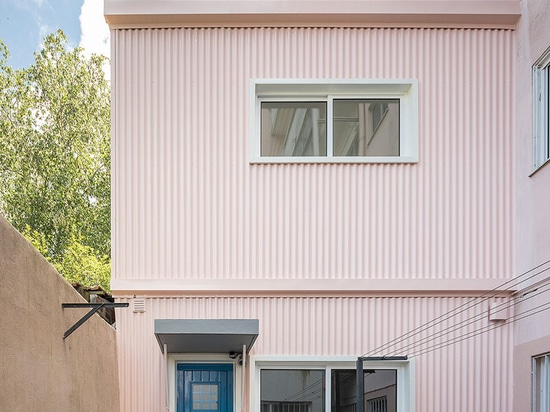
94,307
360,378
383,358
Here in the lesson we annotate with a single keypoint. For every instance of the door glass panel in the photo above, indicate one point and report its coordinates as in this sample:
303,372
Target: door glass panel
205,397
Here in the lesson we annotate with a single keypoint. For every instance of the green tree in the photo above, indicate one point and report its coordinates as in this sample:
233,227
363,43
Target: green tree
55,157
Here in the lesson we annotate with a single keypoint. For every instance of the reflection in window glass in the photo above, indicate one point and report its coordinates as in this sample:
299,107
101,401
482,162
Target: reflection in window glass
366,127
292,390
541,110
293,129
380,394
541,383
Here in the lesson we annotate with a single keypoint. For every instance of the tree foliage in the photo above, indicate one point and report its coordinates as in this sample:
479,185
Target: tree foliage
55,157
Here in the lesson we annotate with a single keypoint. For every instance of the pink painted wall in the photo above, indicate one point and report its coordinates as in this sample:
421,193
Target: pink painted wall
189,205
202,233
472,375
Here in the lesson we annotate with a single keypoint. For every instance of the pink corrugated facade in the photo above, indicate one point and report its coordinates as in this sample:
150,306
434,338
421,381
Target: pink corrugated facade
334,260
188,204
472,375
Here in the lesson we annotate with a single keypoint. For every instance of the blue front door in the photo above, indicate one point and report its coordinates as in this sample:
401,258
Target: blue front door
204,387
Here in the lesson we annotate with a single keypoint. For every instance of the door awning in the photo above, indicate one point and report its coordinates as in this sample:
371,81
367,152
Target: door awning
206,335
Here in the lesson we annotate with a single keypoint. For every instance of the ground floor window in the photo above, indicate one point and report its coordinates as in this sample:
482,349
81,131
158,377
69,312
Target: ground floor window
332,386
379,392
541,383
298,390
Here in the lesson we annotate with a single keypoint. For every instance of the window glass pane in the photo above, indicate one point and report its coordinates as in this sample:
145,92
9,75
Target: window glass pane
541,383
292,390
547,115
293,129
343,391
366,127
541,111
380,394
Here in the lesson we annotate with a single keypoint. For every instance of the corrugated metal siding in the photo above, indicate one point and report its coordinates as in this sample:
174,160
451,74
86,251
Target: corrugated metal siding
187,203
472,375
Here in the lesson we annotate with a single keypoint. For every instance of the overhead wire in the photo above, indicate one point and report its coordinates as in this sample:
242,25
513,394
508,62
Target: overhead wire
305,391
485,329
467,322
498,290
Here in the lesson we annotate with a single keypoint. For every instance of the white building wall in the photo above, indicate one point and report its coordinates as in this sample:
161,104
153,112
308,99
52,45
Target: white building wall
532,203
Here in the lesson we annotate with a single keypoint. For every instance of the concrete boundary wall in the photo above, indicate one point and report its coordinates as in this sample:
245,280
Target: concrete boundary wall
39,371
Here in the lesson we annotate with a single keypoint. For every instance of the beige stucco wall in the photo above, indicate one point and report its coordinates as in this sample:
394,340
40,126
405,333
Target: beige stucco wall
39,371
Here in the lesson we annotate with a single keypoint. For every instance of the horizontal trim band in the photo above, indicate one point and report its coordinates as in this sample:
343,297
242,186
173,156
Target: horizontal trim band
323,288
139,13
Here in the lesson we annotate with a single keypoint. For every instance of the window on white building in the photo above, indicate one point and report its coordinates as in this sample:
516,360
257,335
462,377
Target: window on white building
334,122
541,383
541,110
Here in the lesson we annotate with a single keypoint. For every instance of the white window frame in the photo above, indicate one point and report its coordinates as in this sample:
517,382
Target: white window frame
541,111
544,396
405,375
405,90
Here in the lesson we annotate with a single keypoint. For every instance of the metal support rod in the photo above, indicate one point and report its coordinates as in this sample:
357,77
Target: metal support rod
93,305
383,358
167,377
361,377
94,308
243,378
360,385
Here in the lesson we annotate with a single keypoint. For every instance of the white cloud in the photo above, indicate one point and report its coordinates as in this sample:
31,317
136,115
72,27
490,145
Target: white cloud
39,3
95,38
94,29
30,5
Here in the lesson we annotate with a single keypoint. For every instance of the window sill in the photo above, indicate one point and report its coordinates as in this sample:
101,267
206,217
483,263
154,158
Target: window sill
334,160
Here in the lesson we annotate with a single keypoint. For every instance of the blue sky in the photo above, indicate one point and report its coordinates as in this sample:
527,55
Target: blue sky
25,23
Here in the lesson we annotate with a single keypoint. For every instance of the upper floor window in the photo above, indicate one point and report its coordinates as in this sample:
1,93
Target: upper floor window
541,110
334,122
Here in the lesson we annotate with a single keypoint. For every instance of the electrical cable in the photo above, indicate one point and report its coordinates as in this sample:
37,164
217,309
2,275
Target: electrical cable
481,331
465,306
461,308
465,322
305,390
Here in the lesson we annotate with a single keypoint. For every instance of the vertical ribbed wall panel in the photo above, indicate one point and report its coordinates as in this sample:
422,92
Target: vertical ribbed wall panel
472,374
187,203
